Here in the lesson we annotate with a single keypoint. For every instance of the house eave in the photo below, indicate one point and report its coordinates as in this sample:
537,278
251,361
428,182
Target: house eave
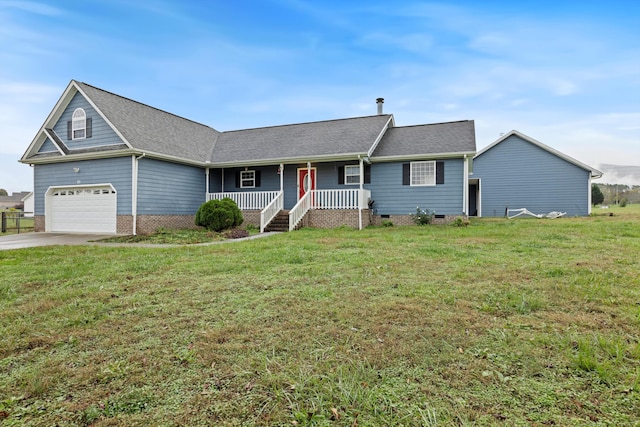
455,155
595,173
79,156
288,160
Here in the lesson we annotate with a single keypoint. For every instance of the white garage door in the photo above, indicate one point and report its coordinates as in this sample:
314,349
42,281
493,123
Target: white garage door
87,209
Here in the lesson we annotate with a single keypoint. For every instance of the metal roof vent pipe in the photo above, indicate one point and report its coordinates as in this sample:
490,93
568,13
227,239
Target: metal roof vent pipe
380,101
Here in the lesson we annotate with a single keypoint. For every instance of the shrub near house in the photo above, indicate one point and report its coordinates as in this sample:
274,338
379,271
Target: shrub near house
218,215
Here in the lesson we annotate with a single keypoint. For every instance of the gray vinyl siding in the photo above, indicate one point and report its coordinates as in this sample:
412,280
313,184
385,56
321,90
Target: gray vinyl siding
48,147
169,188
386,187
269,179
102,134
115,171
393,198
519,174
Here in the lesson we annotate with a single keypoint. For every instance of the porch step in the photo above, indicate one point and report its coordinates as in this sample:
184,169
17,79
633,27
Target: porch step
279,223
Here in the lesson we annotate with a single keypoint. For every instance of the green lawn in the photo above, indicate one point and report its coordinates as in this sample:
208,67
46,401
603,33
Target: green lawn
522,322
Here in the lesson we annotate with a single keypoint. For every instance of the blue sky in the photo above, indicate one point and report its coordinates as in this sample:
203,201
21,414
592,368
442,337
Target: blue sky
565,73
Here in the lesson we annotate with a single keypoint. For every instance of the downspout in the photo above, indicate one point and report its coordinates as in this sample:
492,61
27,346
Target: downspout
134,192
465,188
360,161
206,184
589,199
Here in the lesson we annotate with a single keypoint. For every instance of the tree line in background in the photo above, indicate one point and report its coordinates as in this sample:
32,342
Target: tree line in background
614,194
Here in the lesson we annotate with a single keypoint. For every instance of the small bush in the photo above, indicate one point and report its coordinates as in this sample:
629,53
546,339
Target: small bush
218,215
422,216
238,219
387,223
460,222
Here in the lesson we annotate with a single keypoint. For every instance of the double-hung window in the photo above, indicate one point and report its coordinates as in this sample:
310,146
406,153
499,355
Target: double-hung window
79,124
247,179
423,173
352,174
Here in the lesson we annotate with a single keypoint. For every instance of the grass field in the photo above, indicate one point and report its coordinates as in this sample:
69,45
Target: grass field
523,322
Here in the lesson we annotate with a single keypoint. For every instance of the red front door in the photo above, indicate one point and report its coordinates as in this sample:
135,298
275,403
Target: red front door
306,181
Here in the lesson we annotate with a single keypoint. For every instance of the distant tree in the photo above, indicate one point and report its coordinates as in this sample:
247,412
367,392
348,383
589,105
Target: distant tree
596,195
3,192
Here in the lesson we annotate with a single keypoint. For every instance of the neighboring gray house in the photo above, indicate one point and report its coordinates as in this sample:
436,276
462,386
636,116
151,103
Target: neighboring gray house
15,199
516,171
104,163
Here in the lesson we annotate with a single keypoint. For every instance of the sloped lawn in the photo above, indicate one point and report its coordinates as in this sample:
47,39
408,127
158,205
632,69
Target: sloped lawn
524,322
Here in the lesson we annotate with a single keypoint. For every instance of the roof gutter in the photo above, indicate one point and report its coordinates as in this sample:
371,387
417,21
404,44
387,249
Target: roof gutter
462,154
287,160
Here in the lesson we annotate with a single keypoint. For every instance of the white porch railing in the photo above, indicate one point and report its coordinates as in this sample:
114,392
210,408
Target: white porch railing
299,210
272,209
248,200
328,199
272,202
340,199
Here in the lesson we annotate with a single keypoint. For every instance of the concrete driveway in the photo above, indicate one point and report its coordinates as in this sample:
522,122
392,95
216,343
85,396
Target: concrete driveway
30,240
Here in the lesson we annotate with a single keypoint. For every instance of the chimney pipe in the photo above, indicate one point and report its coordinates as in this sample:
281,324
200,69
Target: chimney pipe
380,101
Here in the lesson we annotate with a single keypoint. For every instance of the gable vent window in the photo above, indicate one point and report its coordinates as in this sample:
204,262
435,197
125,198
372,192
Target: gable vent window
79,127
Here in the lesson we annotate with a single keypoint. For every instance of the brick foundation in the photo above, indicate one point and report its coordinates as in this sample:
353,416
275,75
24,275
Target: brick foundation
124,224
251,217
332,218
147,224
38,223
408,220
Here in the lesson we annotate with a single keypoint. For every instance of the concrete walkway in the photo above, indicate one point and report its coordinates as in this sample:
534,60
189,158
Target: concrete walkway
31,240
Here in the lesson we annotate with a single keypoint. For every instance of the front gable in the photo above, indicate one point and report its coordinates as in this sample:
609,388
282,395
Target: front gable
54,141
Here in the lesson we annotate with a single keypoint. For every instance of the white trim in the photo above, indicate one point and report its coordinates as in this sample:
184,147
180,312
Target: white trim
248,179
312,185
391,122
95,107
51,189
359,175
465,188
53,141
412,157
78,123
595,173
428,184
589,196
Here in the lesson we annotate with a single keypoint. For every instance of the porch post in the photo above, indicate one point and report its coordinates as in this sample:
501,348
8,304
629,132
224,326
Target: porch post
222,181
281,177
361,192
310,182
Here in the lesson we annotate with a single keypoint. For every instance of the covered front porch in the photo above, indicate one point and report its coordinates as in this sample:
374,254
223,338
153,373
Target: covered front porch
271,204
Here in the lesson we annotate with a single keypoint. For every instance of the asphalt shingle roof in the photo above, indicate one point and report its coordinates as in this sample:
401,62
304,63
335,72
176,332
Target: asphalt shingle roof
431,139
150,129
304,140
157,132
